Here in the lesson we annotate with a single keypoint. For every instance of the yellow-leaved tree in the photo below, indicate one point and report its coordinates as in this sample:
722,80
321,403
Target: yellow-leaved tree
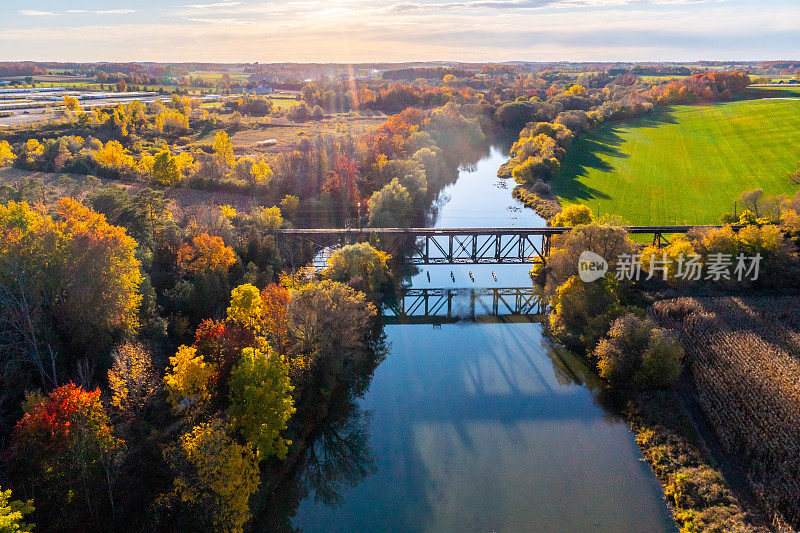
70,285
246,308
222,158
7,155
132,378
217,475
187,380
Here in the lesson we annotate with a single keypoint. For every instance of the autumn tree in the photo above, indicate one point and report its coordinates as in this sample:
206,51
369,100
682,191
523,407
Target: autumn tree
361,266
187,379
206,253
581,312
114,156
64,445
274,300
270,217
71,103
69,284
328,321
216,476
165,169
573,215
7,155
132,379
246,307
607,241
222,158
289,205
391,206
636,351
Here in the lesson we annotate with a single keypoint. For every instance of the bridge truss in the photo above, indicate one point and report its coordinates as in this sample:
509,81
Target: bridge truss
435,246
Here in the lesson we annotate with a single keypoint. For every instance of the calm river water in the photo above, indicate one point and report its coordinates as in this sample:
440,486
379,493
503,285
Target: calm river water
487,426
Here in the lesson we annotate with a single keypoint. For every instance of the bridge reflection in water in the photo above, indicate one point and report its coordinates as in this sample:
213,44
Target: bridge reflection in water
444,306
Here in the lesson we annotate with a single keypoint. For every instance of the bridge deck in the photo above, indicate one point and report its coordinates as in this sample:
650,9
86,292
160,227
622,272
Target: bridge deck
478,231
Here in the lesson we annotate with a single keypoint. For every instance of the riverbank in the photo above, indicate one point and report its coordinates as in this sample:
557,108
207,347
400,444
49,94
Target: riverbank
698,493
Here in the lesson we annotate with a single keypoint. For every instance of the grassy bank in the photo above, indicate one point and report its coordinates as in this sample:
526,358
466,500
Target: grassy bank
685,164
694,487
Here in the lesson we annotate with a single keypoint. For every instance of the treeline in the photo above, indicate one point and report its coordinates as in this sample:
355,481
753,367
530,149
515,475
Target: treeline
550,127
548,124
652,70
389,98
21,69
435,73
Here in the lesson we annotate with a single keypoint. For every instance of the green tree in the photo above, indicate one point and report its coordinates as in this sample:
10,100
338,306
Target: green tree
391,206
261,400
360,264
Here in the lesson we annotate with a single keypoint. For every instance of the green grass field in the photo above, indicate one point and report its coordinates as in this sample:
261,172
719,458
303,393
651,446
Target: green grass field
686,164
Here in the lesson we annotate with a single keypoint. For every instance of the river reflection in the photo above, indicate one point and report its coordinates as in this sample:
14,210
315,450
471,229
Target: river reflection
479,425
484,427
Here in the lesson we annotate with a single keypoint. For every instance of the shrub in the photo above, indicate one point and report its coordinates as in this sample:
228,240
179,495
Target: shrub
573,215
635,351
582,311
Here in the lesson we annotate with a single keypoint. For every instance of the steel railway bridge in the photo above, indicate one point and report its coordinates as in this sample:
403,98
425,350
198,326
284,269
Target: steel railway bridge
438,246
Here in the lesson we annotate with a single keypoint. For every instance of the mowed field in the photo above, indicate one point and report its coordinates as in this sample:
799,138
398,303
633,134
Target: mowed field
685,164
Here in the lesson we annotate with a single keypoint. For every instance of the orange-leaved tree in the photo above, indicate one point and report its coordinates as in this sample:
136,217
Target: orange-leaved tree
204,253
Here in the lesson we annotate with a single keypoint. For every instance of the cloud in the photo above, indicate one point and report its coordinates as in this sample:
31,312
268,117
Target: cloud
102,11
34,13
220,21
538,4
211,6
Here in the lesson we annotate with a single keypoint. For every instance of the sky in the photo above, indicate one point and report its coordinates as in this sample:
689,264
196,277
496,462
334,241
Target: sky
351,31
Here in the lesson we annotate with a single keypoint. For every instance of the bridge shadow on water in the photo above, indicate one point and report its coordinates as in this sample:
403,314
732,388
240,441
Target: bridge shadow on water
599,149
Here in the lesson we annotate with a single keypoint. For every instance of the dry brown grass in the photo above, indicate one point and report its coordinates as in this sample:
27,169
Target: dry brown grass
744,357
288,133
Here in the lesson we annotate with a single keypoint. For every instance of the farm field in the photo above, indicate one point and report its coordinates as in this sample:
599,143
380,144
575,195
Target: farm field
742,354
685,164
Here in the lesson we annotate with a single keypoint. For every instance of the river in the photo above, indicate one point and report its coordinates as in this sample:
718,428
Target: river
485,426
